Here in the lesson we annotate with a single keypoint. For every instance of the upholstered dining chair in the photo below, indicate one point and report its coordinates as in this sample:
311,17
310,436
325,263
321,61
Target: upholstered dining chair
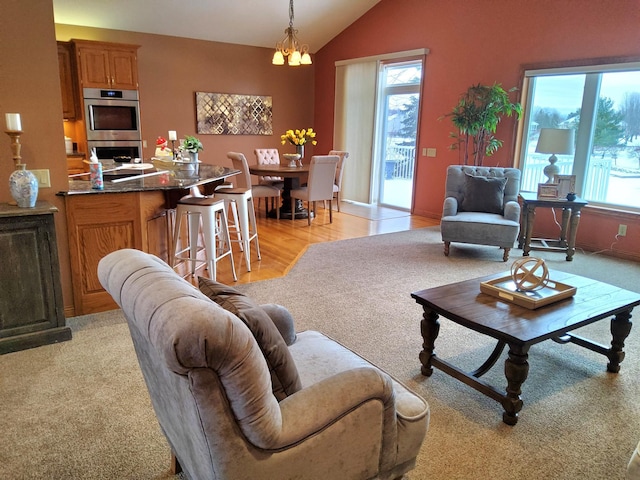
481,207
266,156
337,185
322,174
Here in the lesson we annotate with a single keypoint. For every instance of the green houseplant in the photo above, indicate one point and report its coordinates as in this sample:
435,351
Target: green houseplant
476,116
191,144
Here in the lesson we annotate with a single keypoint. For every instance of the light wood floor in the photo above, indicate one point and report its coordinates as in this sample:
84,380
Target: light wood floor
282,242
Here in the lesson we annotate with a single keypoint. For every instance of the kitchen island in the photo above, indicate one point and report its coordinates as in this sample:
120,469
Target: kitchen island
134,213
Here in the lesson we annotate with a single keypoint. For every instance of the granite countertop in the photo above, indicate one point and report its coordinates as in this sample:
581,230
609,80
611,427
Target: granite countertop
163,181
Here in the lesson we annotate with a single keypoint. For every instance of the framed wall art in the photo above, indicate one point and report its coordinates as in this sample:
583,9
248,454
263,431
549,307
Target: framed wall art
233,114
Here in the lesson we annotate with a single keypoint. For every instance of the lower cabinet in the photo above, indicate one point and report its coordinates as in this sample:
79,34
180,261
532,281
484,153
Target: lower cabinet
31,305
101,223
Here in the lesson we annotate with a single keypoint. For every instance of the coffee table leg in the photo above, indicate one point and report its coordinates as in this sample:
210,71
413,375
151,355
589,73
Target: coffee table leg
620,329
516,369
429,328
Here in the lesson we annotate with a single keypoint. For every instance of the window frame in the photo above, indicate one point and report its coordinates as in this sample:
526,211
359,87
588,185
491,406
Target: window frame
584,66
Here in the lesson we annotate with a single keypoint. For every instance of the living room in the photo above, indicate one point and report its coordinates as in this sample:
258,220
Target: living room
485,41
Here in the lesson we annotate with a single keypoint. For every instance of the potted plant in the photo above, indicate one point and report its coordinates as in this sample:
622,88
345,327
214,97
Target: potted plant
476,116
192,145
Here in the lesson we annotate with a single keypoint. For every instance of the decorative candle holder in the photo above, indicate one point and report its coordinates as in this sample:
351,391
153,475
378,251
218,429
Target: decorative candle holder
15,145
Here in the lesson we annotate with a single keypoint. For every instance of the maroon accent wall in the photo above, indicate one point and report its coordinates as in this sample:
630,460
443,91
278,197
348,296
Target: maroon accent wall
484,42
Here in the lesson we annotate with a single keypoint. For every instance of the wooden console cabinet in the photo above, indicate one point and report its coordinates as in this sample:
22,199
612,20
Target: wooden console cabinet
31,306
99,224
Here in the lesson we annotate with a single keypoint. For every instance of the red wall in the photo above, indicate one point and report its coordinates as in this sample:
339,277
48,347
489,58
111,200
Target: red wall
484,41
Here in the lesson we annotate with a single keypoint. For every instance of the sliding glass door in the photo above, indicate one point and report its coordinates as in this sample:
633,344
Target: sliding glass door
396,132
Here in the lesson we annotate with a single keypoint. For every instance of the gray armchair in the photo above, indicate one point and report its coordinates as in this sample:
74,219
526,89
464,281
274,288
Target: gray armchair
481,207
240,395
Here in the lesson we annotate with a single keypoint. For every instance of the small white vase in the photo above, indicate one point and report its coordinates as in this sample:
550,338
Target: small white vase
24,187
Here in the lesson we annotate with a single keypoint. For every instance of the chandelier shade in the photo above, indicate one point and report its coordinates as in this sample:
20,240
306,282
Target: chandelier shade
289,47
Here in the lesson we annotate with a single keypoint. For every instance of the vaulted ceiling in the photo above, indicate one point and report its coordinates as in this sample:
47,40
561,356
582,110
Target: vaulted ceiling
258,23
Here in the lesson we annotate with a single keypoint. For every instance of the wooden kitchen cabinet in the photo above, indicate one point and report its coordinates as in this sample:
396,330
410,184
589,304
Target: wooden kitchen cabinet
76,165
101,223
68,83
107,65
31,306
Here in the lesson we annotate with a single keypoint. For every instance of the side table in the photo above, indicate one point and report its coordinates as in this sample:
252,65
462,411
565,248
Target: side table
569,226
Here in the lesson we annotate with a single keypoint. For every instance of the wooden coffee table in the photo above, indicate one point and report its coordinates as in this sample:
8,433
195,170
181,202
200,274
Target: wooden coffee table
520,328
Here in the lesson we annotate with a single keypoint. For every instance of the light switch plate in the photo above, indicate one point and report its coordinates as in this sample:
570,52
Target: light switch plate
431,152
44,181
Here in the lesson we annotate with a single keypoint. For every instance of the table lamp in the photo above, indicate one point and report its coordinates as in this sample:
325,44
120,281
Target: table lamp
556,141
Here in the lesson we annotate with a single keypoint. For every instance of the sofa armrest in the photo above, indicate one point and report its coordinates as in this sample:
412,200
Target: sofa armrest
512,211
450,207
312,409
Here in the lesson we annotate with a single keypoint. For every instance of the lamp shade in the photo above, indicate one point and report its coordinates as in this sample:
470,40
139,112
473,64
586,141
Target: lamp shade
278,58
555,140
294,58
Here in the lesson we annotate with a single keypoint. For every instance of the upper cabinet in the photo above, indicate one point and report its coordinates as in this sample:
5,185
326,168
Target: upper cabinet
67,81
107,65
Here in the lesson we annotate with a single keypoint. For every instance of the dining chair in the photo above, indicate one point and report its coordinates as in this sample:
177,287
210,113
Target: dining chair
322,174
337,185
266,156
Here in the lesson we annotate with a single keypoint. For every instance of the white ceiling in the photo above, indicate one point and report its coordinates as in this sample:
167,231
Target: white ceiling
258,23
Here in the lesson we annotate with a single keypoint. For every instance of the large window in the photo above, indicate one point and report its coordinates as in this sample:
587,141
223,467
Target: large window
602,105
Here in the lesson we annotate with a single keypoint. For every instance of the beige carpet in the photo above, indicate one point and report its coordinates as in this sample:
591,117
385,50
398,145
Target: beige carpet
80,410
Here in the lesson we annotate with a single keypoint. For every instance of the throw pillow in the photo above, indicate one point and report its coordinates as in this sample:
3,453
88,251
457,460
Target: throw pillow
282,319
483,194
284,374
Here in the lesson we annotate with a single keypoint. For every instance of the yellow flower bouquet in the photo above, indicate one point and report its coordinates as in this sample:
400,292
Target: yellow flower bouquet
299,137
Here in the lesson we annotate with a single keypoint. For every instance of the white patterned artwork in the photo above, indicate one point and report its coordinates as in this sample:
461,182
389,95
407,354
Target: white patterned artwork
232,114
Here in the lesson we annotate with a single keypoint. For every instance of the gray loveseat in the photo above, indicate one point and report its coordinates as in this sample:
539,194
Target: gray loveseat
243,396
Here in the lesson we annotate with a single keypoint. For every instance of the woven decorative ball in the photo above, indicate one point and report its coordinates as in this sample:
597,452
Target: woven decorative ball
529,274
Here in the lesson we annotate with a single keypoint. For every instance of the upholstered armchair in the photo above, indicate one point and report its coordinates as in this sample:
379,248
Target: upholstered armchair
481,207
239,394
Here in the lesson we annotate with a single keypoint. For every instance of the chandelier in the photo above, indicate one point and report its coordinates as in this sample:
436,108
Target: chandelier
290,46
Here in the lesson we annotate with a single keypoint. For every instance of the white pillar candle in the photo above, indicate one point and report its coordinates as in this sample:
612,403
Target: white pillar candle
172,135
13,122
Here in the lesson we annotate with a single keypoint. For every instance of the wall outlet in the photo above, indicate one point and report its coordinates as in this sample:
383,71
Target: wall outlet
431,152
622,230
44,181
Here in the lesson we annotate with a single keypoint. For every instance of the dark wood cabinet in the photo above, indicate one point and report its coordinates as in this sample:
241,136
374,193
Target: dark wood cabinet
31,307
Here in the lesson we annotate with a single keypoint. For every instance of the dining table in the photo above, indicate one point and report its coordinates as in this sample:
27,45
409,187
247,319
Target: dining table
291,176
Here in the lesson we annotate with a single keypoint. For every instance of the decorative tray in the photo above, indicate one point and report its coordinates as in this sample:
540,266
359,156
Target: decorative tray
505,289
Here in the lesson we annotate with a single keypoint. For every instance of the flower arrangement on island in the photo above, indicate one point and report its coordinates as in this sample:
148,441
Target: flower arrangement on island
299,137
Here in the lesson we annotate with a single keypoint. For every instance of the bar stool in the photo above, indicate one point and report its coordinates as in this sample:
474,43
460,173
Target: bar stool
215,230
240,201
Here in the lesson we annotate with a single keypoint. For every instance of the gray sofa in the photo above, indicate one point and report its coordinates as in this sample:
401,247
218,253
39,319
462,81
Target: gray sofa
240,395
